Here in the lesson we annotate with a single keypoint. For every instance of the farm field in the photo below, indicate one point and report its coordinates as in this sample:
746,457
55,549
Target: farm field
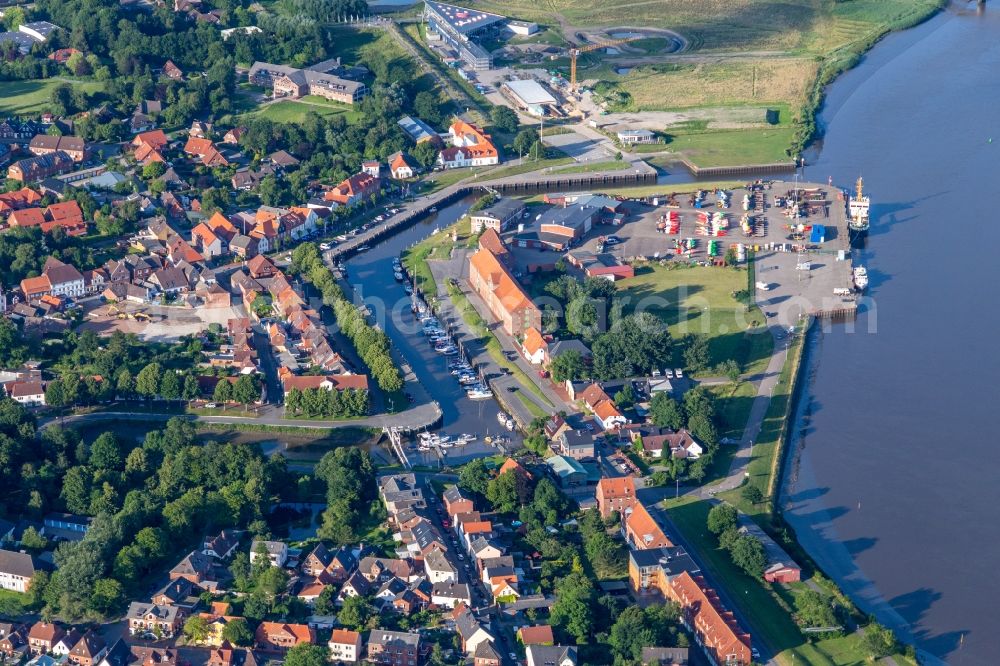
21,98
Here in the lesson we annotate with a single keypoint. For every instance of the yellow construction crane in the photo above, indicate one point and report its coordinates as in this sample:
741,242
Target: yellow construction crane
576,51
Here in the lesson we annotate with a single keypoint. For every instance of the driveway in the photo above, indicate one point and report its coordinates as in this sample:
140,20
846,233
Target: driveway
580,147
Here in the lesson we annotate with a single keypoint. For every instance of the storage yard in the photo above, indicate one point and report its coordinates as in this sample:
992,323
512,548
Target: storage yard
801,250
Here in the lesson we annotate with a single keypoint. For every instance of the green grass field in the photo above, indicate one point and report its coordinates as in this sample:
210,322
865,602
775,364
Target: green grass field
295,111
592,167
699,300
21,98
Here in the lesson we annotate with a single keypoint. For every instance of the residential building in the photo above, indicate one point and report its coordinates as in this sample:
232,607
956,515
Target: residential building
33,169
449,594
45,144
222,545
393,648
642,531
181,593
456,502
577,444
498,216
88,650
401,167
715,627
567,471
276,551
550,655
197,568
439,567
28,392
504,297
486,655
43,636
17,570
651,570
321,79
539,634
345,646
162,621
280,636
616,494
664,656
470,147
354,190
471,630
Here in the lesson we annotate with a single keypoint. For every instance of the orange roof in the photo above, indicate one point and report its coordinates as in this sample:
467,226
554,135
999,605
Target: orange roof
539,635
35,285
358,184
156,139
398,161
645,531
533,340
183,250
147,153
204,234
18,199
511,465
483,146
300,632
218,222
611,488
490,240
505,288
198,146
717,628
594,394
606,409
345,636
477,527
67,212
27,217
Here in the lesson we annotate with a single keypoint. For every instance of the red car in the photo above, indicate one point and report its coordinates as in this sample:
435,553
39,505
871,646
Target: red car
446,523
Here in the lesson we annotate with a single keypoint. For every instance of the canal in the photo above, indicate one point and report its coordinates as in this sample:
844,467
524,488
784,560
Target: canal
370,273
895,486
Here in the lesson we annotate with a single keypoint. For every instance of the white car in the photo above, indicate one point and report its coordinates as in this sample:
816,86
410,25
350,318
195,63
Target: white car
324,246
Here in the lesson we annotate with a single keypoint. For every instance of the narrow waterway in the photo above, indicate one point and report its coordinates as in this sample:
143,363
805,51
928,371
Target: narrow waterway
895,489
371,275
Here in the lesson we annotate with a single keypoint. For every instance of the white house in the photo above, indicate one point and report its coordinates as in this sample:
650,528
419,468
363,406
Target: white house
550,655
470,146
30,392
16,571
277,552
439,568
345,646
450,594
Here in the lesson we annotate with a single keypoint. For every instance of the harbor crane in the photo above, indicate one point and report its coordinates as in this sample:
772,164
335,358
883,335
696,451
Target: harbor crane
577,50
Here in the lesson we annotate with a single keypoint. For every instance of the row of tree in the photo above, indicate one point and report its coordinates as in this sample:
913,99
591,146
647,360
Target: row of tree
746,550
371,343
316,402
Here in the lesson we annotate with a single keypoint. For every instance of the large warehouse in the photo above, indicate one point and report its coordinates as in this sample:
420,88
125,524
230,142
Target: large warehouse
459,27
529,96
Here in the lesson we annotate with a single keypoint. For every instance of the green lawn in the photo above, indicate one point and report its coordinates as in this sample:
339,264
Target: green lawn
591,167
294,111
713,148
21,98
698,300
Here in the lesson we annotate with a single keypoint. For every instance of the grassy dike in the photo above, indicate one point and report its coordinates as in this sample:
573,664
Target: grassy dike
771,607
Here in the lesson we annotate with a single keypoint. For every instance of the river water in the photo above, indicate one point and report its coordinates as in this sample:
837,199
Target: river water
895,490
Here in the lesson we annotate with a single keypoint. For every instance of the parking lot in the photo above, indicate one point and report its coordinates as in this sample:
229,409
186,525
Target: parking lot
579,147
800,276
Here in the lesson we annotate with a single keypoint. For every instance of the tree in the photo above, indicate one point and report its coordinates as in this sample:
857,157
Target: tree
665,412
61,99
696,354
524,140
568,366
748,554
355,613
427,106
33,541
196,629
246,390
153,170
190,391
13,18
814,609
147,382
237,632
572,611
106,453
124,384
502,492
475,477
326,602
878,641
752,494
170,387
272,581
108,595
504,119
307,654
721,517
731,369
223,391
425,153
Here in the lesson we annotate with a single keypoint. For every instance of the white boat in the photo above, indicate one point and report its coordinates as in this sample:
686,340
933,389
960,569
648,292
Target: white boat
510,424
479,393
465,438
501,417
408,289
860,278
398,276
